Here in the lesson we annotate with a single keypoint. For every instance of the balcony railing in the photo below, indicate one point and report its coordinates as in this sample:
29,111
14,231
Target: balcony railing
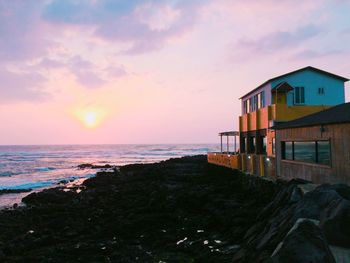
264,117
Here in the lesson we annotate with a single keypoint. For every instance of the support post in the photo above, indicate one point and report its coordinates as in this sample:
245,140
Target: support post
221,143
227,146
235,144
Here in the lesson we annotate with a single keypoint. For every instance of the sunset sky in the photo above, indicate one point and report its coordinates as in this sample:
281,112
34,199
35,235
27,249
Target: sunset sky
137,71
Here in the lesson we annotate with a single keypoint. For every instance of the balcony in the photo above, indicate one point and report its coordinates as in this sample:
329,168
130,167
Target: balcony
261,118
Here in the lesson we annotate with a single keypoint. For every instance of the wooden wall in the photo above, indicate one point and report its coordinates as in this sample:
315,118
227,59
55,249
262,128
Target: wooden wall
259,165
338,172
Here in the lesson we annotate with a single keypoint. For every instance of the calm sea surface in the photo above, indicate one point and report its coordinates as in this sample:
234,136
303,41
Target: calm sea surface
38,167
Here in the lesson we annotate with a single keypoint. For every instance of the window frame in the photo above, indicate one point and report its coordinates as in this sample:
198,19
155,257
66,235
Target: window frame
316,162
299,95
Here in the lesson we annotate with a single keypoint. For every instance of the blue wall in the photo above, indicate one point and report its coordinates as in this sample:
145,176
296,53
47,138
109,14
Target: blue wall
334,92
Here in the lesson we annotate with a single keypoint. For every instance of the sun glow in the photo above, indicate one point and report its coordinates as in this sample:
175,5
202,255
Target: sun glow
90,118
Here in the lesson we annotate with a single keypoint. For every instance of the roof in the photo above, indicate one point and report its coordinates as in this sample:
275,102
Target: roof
229,133
296,71
334,115
284,86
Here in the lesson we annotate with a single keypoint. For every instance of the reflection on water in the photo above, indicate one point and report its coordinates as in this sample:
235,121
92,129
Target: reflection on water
23,167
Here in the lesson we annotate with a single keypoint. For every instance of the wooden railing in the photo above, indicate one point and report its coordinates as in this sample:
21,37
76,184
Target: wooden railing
259,165
261,118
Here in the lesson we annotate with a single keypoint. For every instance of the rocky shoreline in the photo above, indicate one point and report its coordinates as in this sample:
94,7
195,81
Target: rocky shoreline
180,210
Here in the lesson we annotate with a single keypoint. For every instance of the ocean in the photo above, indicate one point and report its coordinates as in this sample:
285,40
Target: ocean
42,166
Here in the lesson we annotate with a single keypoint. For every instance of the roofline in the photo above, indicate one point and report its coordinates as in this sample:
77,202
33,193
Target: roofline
293,72
309,125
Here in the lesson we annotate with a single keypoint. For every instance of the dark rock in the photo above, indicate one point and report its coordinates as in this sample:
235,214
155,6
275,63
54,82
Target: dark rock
335,223
92,166
15,191
305,243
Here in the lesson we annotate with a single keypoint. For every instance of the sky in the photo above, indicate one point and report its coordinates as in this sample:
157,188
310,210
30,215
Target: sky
152,71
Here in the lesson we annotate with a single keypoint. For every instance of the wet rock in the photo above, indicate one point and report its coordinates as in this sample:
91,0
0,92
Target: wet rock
305,243
335,223
15,191
92,166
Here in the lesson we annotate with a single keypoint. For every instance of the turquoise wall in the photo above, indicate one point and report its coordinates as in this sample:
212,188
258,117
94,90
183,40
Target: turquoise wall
334,92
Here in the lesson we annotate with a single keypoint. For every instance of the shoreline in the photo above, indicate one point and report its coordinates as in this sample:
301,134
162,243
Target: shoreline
179,210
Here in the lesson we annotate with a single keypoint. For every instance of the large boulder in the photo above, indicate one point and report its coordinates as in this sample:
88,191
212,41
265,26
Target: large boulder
335,223
304,243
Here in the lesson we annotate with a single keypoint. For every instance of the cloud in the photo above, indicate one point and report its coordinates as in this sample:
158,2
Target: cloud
85,72
22,34
145,25
308,54
24,86
278,40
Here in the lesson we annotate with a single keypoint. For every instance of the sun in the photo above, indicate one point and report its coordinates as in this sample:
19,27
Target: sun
90,119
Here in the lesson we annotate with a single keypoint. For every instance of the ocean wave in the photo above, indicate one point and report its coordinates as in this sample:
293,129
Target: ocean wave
43,184
6,174
44,169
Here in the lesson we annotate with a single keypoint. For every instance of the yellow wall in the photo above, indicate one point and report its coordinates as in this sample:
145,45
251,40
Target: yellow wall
226,160
285,113
259,165
261,118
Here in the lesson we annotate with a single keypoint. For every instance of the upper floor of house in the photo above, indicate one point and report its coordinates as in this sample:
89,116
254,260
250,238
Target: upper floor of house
290,96
308,86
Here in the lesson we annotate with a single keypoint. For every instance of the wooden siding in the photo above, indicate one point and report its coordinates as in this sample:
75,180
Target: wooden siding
338,172
259,165
288,113
226,160
260,119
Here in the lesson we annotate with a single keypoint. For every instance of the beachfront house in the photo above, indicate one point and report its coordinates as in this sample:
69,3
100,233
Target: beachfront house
278,100
316,147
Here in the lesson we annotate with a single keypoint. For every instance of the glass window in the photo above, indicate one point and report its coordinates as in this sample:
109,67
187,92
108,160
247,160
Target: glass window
252,144
299,95
305,151
259,100
264,143
321,91
262,99
324,152
251,104
288,150
273,145
311,152
245,108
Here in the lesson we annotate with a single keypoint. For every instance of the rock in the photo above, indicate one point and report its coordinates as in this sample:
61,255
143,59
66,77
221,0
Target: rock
15,191
85,166
92,166
49,197
305,243
335,223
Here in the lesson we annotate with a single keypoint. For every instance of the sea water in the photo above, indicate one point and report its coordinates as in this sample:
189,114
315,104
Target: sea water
38,167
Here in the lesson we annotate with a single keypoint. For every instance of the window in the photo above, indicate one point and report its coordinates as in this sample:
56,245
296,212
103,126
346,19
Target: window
245,107
309,151
262,99
258,100
305,151
321,91
299,95
324,152
273,145
251,104
264,143
255,103
252,144
288,151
